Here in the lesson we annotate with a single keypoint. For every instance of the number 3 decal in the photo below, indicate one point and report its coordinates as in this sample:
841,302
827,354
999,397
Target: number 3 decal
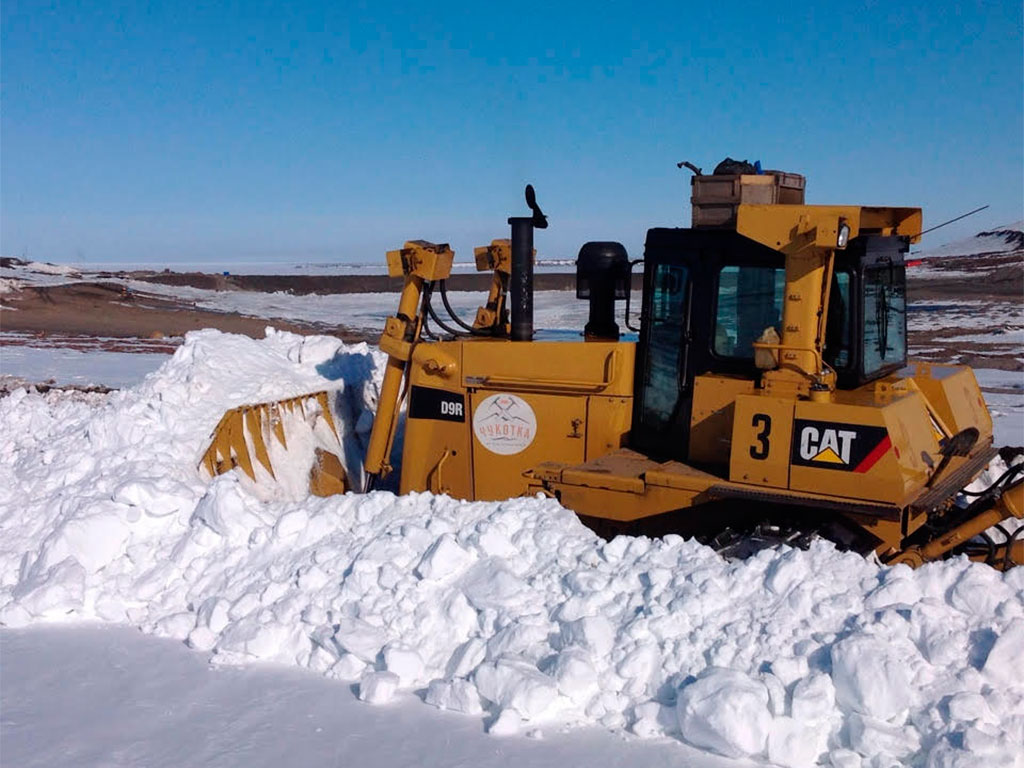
764,421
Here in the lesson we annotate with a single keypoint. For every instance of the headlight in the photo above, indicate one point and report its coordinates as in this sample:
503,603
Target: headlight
844,234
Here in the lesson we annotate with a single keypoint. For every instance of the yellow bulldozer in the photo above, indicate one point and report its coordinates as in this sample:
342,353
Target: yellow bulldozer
767,397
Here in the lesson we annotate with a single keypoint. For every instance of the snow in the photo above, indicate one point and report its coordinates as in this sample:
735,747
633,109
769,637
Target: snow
964,315
9,285
510,612
1014,336
17,275
86,695
70,366
45,268
726,711
367,311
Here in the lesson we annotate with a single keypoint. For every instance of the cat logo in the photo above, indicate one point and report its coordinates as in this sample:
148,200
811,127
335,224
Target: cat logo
830,445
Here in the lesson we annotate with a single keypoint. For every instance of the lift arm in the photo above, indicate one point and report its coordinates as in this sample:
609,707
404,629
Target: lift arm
416,262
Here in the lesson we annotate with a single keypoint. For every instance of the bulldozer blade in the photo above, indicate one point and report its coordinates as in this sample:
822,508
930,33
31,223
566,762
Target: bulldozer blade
227,446
254,420
327,476
274,416
325,409
242,434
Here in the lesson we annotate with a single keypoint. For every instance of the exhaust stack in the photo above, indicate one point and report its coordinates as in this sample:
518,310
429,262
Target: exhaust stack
522,267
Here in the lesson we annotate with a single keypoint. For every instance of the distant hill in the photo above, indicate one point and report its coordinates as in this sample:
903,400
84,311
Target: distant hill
1008,239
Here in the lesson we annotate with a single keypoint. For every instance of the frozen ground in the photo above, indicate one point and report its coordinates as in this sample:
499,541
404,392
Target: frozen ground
82,695
510,613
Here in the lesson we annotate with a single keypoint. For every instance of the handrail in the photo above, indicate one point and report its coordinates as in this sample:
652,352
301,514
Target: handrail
819,360
438,487
578,385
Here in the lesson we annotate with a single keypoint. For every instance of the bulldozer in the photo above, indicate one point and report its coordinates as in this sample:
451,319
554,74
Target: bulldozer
765,398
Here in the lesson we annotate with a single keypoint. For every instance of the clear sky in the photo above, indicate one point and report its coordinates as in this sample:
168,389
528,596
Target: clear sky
333,131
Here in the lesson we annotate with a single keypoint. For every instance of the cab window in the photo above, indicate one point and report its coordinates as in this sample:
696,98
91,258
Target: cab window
749,301
885,318
837,324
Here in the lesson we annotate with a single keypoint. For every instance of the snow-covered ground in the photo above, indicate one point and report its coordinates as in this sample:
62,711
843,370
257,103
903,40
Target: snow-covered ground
66,366
555,310
510,613
83,695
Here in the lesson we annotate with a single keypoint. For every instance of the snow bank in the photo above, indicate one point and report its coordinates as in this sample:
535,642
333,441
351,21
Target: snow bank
9,285
512,612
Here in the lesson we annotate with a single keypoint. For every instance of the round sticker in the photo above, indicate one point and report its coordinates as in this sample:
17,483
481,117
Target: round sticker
504,424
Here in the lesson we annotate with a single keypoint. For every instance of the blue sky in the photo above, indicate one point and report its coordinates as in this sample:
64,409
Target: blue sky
240,131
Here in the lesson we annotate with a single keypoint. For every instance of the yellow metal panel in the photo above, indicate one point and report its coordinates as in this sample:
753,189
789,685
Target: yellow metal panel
569,367
608,422
623,505
711,420
437,455
791,228
622,470
674,474
436,458
761,434
552,436
915,451
870,452
426,260
954,393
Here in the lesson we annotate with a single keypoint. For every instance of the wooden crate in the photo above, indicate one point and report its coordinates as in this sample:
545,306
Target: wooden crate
715,198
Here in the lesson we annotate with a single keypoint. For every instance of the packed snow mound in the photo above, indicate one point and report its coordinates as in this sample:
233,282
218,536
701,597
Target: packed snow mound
1006,239
22,268
512,612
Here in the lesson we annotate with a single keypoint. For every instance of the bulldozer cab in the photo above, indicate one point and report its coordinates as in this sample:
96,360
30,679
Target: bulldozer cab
710,294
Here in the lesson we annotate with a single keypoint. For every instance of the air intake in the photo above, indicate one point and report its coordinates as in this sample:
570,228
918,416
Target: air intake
602,276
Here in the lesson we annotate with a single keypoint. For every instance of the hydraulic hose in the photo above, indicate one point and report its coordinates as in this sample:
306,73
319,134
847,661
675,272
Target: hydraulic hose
1008,555
451,312
441,323
1015,469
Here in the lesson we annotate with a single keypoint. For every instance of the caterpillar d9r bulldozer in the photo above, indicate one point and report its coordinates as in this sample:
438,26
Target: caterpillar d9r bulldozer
767,398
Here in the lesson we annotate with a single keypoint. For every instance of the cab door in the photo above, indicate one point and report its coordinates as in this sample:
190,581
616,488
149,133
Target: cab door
661,417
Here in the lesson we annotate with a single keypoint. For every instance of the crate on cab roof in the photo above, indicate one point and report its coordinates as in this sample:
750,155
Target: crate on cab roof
716,197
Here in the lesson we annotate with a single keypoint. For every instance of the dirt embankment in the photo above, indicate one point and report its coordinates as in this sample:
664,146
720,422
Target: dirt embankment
996,276
992,276
107,309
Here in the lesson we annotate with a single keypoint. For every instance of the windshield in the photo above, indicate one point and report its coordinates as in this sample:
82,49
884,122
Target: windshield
665,344
885,318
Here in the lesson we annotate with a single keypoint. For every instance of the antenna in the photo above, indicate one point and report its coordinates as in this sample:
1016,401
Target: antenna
962,216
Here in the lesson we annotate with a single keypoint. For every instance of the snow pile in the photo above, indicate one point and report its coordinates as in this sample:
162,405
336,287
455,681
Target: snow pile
510,611
9,285
46,268
36,272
